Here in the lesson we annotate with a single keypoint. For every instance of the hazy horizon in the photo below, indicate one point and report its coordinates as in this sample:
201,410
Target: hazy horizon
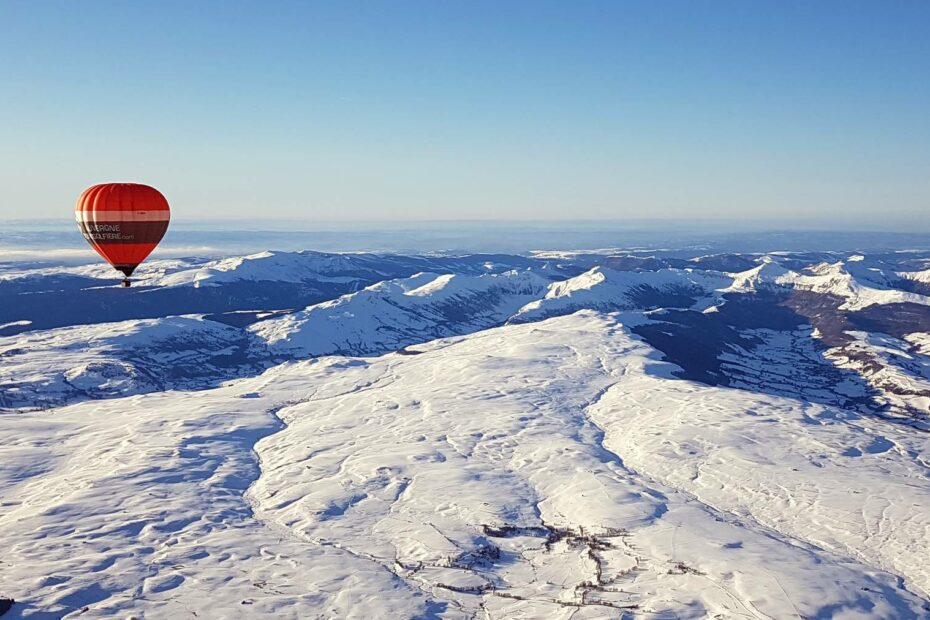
58,240
719,224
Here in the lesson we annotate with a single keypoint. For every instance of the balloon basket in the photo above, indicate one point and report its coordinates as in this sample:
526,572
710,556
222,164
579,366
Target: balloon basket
125,283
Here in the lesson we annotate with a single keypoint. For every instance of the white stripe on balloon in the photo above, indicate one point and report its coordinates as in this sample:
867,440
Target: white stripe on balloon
121,216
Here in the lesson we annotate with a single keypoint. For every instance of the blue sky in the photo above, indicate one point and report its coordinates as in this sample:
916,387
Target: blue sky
473,110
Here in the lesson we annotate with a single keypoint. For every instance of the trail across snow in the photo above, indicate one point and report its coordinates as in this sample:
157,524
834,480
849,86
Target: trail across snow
545,470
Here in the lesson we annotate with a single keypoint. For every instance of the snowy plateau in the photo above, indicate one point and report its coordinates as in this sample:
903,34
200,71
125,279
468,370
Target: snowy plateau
554,435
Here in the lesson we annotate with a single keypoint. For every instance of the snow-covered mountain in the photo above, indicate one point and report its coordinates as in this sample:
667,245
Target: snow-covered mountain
610,290
49,368
393,314
828,279
719,327
559,435
264,281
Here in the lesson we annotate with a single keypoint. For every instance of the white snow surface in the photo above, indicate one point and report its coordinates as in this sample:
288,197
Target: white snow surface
395,313
271,266
920,341
15,324
267,266
601,287
899,370
826,279
607,289
834,279
152,272
55,366
917,276
542,470
767,274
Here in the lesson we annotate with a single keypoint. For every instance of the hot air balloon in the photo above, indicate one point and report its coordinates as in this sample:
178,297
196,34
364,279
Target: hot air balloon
123,222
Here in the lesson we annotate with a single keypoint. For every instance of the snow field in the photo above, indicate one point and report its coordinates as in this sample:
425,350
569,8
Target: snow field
549,470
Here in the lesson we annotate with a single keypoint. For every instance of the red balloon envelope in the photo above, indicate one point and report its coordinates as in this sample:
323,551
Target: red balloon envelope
123,222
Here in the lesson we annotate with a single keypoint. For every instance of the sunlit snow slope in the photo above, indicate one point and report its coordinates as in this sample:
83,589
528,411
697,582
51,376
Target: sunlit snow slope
505,473
301,435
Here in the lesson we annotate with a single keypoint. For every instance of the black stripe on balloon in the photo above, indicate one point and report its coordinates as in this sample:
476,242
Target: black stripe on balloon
126,268
103,233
